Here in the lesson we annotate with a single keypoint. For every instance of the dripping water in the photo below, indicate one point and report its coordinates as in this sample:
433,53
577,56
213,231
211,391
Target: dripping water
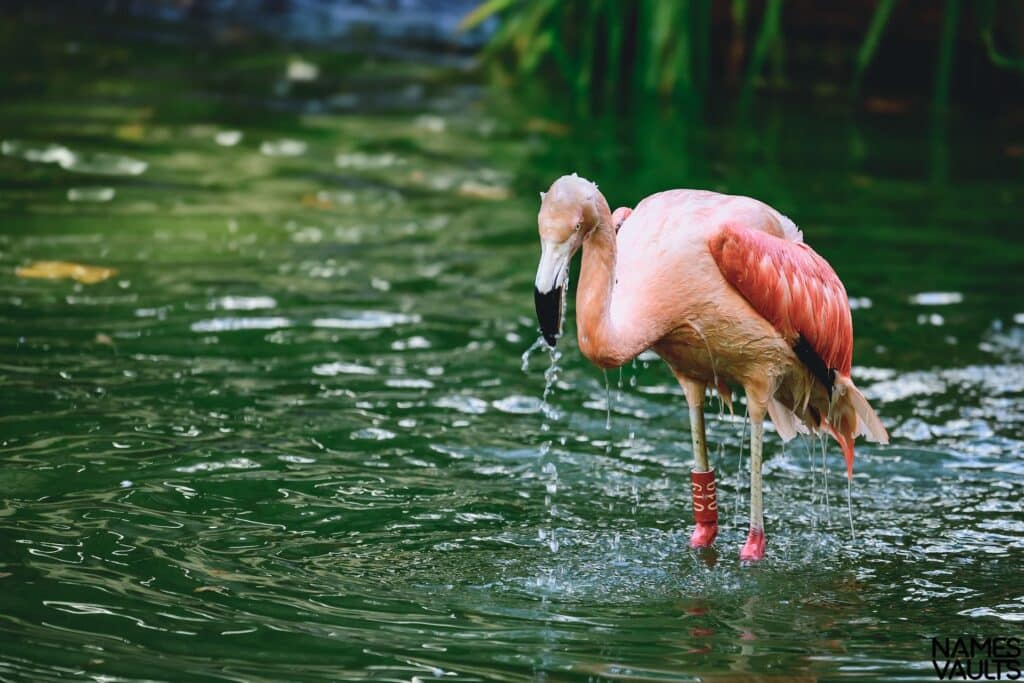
607,402
550,378
550,489
824,474
814,481
739,462
547,533
849,505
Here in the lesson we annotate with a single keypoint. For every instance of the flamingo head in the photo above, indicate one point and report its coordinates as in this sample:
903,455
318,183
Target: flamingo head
568,213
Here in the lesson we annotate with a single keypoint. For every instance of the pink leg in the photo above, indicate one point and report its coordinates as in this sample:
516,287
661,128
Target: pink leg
753,549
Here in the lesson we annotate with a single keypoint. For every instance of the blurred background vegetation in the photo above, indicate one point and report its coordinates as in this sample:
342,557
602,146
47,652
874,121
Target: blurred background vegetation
686,51
638,94
880,54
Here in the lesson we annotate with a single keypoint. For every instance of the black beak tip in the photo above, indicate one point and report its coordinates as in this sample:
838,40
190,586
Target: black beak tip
549,314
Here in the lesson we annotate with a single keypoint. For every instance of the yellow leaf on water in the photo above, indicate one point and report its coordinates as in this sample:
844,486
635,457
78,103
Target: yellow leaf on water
316,201
59,270
539,125
471,188
131,131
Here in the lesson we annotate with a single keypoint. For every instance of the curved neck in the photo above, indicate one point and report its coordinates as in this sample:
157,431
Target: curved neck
594,294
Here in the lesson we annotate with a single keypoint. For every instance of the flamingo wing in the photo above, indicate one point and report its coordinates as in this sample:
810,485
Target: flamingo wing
796,290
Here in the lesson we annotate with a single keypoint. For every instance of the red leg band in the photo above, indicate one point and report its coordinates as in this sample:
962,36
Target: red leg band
705,497
705,508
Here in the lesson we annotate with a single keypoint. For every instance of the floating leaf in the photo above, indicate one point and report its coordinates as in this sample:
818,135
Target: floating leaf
131,131
316,201
59,270
471,188
539,125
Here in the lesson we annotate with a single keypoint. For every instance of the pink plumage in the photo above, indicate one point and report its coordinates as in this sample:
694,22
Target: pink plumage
792,287
724,289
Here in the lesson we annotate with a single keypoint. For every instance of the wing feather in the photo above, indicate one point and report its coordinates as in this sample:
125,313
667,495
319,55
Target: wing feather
792,287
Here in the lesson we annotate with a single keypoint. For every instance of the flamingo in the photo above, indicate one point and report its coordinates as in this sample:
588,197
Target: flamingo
724,289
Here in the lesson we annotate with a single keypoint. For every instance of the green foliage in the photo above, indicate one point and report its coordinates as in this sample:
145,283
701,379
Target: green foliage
986,24
643,46
608,49
866,54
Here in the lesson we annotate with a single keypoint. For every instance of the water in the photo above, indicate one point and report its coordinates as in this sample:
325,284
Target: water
291,439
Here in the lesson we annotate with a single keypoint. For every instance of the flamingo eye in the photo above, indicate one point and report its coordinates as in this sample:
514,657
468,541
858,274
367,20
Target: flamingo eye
577,228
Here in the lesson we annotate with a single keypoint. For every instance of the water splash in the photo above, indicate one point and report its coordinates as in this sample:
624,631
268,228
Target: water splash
539,343
550,376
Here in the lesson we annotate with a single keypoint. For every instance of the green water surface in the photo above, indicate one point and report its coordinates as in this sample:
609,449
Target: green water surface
293,438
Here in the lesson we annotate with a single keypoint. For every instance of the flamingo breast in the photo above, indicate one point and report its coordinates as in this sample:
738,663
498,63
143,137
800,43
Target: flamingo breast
669,290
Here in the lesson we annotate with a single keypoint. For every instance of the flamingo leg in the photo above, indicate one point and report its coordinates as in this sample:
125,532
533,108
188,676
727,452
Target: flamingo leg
699,437
753,549
702,478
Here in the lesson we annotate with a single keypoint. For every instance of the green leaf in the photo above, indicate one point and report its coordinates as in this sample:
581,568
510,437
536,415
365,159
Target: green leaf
483,13
866,54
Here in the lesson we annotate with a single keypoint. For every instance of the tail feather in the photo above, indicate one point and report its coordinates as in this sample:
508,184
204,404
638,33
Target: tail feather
846,443
868,423
849,415
852,416
786,422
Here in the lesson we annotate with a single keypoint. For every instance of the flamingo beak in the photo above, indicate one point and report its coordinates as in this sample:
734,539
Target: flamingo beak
550,287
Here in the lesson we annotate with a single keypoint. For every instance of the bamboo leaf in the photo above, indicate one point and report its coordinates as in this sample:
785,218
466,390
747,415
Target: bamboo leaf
769,33
879,20
483,13
944,68
986,22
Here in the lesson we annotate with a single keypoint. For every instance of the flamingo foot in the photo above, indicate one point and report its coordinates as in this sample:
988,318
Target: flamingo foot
704,535
753,549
